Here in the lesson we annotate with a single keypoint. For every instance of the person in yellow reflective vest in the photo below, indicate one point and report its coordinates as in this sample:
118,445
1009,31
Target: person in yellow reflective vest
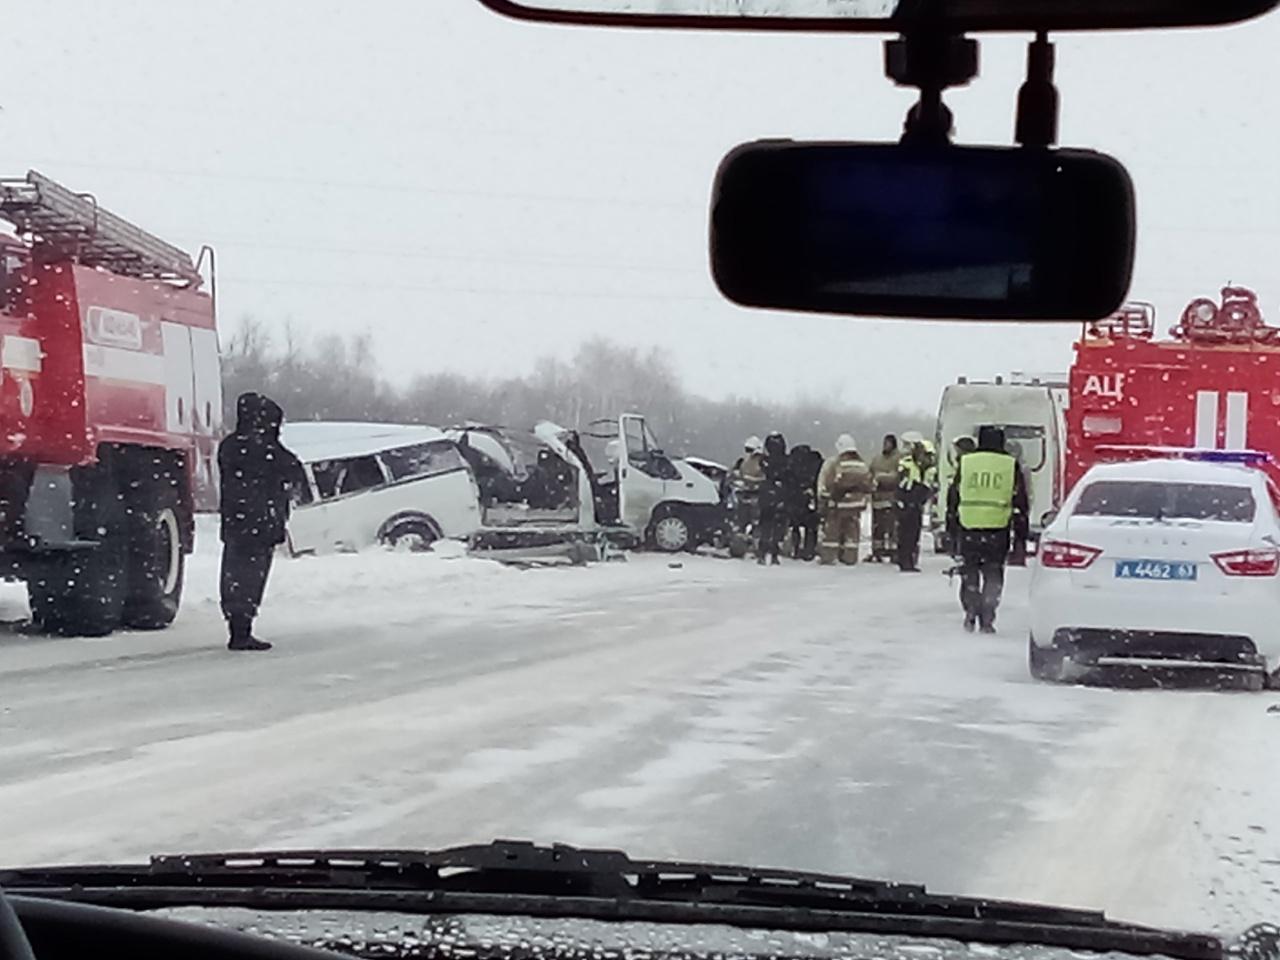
930,464
845,486
914,491
986,505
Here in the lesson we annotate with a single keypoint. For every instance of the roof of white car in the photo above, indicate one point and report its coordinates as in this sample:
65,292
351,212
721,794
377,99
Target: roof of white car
1177,471
704,462
312,441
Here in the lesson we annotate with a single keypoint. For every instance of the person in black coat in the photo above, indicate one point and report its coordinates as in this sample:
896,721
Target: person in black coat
773,498
257,474
804,465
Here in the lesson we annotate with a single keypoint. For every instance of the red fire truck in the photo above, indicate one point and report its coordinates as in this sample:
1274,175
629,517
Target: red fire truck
110,410
1211,389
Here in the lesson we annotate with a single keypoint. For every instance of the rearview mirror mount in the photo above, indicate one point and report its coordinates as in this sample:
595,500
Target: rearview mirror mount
923,230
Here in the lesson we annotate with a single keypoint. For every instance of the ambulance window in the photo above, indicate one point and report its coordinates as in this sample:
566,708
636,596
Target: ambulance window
1027,444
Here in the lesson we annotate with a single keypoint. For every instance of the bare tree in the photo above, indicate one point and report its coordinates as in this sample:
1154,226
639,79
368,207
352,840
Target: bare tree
337,378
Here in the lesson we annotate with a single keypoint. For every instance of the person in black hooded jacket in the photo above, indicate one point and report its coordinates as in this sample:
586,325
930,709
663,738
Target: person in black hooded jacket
773,499
803,466
257,474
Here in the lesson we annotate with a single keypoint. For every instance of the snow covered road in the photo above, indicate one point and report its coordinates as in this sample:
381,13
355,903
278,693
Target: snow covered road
804,717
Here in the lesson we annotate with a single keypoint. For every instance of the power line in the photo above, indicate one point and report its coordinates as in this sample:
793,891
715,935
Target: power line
426,253
643,203
470,290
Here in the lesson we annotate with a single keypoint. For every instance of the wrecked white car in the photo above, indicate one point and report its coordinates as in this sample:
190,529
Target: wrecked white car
369,483
638,490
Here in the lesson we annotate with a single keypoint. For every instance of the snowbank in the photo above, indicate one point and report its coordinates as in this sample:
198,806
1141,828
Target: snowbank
379,584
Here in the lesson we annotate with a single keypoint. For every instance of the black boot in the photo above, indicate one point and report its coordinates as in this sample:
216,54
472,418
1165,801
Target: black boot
970,622
242,638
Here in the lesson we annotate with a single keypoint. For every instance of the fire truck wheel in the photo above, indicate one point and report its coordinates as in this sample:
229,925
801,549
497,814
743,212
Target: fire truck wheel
81,594
156,564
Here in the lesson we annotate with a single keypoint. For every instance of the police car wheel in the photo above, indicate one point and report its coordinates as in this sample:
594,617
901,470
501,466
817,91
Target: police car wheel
1044,664
671,533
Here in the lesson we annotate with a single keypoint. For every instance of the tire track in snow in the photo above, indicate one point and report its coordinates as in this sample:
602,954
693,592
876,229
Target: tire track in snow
1141,813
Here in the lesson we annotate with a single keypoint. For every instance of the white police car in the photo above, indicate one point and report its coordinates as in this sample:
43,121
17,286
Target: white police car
1162,563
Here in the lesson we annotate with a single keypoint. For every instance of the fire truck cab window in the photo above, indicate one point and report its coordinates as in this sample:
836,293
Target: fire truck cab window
10,278
1154,500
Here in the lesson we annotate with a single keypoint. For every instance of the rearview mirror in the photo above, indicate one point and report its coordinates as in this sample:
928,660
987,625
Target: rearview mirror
977,233
885,15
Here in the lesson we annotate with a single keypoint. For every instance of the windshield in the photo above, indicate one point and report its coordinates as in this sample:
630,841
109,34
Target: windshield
838,658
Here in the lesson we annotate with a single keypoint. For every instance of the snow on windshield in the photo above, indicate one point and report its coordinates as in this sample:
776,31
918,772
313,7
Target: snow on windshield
856,648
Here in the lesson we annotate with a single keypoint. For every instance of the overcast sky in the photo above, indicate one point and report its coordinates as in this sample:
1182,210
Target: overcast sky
476,192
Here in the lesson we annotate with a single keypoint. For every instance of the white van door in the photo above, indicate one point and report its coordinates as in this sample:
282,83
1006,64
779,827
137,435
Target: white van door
355,509
431,480
308,521
642,478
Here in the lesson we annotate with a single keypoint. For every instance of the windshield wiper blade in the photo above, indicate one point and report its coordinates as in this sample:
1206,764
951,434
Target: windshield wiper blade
518,878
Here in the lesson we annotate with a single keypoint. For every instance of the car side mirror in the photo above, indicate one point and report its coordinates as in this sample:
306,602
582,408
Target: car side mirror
1047,518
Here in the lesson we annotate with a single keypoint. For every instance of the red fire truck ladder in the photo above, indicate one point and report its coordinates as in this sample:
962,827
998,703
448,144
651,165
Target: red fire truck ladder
72,225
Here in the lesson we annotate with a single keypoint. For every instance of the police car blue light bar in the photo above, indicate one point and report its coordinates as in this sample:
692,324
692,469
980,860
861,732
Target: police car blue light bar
1249,458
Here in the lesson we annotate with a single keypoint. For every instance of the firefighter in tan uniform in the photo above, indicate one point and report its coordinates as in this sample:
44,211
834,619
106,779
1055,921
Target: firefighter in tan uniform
884,468
845,487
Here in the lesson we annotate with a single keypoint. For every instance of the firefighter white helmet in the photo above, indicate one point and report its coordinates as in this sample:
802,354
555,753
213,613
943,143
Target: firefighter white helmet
912,437
846,444
753,444
613,451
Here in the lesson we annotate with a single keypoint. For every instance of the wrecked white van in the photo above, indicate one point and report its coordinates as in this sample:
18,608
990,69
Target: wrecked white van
370,483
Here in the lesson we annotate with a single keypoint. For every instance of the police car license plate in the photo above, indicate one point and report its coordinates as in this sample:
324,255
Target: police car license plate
1155,570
